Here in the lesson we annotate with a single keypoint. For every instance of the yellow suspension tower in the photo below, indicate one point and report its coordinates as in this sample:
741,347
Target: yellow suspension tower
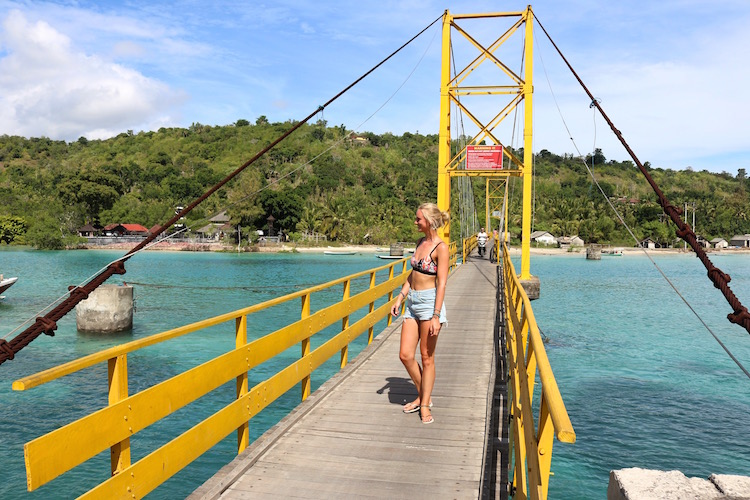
456,91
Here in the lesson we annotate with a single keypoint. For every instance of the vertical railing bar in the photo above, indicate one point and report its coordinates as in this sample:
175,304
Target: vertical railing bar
243,432
371,308
117,377
345,323
390,294
306,383
545,442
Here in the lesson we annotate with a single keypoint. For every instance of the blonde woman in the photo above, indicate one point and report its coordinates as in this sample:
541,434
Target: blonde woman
424,316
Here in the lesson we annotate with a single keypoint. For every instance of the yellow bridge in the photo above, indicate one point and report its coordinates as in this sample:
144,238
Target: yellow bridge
497,406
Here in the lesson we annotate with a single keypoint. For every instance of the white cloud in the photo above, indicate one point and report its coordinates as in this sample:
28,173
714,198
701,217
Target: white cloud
49,88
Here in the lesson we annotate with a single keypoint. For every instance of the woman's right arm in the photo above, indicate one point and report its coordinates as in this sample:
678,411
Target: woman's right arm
401,297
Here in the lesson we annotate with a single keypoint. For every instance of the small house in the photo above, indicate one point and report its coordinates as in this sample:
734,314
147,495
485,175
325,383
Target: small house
216,228
543,237
89,231
740,241
719,243
570,241
114,230
648,243
135,230
125,229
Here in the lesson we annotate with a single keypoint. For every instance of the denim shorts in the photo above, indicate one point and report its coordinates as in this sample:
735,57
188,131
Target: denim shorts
420,304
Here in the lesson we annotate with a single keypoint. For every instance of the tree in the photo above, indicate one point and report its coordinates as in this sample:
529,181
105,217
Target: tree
45,234
95,191
11,228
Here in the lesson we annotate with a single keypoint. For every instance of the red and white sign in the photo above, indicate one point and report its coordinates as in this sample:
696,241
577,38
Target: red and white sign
484,157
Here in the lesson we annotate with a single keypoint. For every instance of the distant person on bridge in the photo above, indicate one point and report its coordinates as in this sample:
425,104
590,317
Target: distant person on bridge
425,309
481,242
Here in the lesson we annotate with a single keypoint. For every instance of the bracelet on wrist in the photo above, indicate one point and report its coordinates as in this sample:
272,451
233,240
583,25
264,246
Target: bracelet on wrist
403,295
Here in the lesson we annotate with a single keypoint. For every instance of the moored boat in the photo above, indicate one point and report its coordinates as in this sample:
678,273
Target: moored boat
6,283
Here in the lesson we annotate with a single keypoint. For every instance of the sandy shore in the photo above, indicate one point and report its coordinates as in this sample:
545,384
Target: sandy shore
171,245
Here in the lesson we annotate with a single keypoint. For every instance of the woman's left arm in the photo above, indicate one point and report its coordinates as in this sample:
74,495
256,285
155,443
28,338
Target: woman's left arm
443,264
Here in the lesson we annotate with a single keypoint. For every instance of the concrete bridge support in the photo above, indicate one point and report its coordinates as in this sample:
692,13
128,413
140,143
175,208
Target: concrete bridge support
108,309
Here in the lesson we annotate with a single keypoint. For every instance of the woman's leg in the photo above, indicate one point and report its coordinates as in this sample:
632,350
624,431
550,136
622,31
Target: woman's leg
409,339
427,346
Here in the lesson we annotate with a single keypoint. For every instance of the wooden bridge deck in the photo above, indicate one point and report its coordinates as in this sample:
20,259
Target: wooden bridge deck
350,438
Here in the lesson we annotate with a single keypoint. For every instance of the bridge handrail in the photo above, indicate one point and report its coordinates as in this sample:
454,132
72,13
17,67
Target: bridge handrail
532,447
101,356
61,450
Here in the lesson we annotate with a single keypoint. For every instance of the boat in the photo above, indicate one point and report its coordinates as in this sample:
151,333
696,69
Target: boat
612,252
339,252
394,257
6,283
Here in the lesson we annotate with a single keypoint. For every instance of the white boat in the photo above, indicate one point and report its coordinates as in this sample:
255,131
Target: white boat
6,283
612,252
339,252
394,257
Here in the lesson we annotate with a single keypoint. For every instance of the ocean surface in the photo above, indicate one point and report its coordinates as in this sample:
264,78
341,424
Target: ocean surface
644,382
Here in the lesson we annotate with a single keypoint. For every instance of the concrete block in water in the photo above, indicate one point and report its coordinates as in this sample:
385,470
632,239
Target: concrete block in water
532,287
644,484
107,309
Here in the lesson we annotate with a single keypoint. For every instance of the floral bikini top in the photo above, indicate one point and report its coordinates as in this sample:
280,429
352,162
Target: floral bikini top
425,265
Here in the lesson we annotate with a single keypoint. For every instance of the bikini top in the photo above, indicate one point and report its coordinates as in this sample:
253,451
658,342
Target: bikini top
425,265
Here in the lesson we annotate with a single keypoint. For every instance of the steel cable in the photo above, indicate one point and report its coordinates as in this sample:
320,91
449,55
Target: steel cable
720,279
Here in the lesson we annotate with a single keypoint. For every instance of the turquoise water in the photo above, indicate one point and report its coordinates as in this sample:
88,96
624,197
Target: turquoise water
645,385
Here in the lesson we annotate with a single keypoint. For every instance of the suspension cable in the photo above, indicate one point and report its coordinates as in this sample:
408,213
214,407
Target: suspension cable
720,279
632,235
47,324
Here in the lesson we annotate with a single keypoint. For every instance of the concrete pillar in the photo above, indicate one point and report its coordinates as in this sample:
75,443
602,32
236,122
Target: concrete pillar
108,309
531,286
594,252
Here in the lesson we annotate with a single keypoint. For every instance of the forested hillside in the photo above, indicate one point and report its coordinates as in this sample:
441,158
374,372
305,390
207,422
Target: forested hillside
360,189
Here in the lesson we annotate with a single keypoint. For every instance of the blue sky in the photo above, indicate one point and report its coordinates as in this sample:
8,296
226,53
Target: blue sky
672,74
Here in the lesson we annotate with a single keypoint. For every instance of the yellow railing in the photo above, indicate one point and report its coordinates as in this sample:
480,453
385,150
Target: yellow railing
112,426
531,441
470,244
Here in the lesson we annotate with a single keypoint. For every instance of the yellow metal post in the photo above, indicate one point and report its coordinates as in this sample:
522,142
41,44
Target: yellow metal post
243,432
487,202
371,308
528,90
444,135
117,371
390,294
345,324
306,383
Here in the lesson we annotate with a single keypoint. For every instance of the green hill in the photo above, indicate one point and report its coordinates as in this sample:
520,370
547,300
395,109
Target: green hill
352,188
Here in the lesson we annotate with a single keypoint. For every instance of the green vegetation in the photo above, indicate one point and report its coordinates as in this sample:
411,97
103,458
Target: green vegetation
320,179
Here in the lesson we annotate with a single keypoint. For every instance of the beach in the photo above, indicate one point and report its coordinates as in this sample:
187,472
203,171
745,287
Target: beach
193,246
